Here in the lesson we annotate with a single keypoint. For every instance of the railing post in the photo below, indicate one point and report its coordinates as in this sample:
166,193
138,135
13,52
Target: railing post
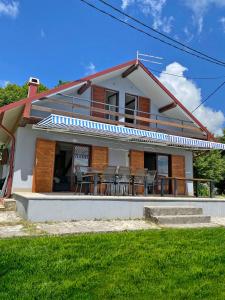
145,186
175,187
95,184
197,188
162,186
211,183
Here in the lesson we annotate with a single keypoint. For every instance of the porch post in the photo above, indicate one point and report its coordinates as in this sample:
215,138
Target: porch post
162,186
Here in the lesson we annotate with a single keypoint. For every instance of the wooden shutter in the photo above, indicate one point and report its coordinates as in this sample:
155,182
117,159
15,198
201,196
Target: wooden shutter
99,157
44,166
137,162
144,107
98,94
178,170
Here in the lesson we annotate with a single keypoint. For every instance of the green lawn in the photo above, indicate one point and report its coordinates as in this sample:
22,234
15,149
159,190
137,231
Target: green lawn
157,264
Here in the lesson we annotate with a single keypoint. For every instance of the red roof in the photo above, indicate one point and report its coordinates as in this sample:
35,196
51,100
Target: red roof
118,67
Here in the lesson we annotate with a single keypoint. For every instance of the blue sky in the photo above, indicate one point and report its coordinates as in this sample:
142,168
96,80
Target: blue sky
66,40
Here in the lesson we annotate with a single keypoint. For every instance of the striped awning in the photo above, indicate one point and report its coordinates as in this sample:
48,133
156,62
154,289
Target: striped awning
74,125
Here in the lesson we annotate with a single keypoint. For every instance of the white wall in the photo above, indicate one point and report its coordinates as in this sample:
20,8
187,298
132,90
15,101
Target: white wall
118,151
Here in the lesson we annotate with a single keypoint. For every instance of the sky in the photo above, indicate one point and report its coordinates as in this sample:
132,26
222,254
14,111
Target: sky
66,40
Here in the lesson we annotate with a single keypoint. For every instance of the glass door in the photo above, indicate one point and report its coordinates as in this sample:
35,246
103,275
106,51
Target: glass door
81,155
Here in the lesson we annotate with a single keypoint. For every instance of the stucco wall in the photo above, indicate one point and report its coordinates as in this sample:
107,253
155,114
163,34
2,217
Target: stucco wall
66,208
118,150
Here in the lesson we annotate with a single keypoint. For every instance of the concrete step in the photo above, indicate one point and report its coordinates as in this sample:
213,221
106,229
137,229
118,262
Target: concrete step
180,219
171,210
8,205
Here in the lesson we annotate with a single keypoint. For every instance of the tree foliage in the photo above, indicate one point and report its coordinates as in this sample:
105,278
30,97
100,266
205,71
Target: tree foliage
13,92
209,165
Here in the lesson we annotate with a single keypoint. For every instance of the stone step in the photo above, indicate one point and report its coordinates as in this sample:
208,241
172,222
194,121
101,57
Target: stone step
171,210
8,205
180,219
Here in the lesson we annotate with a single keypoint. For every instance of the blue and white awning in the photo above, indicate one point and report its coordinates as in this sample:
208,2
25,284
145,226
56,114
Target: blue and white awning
68,124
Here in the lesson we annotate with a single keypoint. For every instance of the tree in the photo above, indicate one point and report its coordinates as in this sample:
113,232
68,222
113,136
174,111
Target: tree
209,165
13,92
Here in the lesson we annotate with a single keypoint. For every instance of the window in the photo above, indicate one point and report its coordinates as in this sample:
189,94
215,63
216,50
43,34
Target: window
80,157
111,104
130,108
163,165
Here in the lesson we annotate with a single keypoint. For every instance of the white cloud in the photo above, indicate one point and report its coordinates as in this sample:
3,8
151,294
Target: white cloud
188,34
90,69
126,3
222,21
199,8
4,83
9,8
153,8
190,95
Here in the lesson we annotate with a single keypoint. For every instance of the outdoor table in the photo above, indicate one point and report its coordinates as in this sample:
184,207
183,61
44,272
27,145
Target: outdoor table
95,175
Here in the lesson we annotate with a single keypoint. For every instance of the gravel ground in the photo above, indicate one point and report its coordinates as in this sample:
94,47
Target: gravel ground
12,225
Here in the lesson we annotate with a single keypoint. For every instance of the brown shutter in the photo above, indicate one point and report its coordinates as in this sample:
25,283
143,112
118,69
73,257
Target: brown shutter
44,166
99,157
98,95
144,108
136,160
178,170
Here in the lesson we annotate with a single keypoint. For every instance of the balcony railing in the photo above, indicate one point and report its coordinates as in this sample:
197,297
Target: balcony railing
115,114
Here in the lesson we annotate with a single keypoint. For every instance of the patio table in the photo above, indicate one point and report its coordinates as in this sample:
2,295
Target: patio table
95,175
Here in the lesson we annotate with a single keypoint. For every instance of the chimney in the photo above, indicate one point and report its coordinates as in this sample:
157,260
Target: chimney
33,84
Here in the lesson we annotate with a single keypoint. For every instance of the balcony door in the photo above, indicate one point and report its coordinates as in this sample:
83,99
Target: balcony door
111,104
131,103
161,163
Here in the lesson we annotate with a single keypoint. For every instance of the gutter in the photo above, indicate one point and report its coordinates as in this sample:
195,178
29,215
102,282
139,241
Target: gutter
11,161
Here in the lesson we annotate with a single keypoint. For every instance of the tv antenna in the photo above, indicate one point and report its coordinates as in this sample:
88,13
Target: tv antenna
149,58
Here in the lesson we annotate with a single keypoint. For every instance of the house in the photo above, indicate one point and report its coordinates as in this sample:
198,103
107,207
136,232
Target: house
122,116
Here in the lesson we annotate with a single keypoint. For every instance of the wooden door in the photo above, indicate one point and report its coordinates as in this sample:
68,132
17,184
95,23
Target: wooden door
144,110
44,166
98,95
178,170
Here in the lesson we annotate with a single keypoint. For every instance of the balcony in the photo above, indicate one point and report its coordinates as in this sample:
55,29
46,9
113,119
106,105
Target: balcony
87,109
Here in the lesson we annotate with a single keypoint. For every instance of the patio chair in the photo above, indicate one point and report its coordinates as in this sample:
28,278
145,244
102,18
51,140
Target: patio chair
123,175
82,181
108,180
140,176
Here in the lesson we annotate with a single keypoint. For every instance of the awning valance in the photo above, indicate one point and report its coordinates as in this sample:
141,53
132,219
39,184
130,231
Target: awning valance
74,125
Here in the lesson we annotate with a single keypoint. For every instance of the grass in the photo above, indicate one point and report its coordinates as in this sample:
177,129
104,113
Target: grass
156,264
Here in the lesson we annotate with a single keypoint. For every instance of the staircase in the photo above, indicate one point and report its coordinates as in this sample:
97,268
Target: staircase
7,205
177,216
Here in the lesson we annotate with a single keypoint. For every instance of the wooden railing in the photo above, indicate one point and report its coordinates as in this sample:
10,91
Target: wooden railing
172,184
96,111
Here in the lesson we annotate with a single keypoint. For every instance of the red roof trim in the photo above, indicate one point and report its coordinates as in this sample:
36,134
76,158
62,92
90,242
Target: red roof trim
101,73
175,100
64,86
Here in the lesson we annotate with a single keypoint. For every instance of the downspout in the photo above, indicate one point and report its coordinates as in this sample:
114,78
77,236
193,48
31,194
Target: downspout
11,161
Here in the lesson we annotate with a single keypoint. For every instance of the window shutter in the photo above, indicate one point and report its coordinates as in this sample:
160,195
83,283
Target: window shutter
137,162
178,170
99,157
144,105
44,166
98,95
